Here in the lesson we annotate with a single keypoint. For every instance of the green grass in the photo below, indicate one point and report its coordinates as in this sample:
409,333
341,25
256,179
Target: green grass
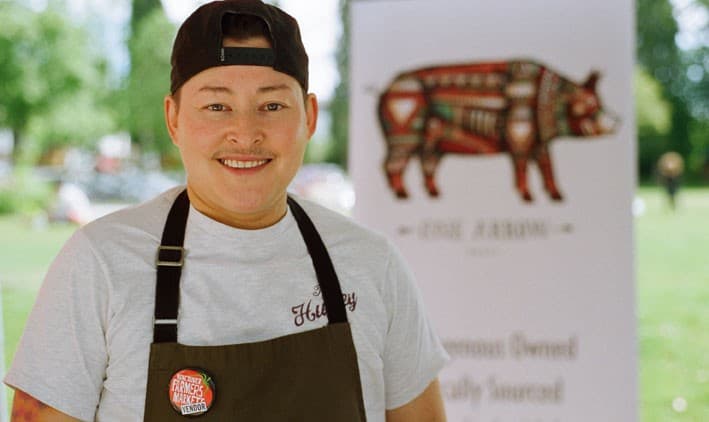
672,292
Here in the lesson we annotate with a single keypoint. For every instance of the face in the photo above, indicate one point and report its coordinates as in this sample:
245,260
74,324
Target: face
242,133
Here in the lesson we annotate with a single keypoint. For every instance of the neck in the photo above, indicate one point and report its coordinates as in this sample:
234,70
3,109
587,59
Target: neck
250,220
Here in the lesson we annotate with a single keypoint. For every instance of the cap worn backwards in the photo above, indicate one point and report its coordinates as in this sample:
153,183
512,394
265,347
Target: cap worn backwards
199,42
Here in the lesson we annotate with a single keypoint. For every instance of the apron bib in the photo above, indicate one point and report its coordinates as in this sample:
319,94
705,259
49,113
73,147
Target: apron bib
309,376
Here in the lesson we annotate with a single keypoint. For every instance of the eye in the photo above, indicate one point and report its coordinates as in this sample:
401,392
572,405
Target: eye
273,107
216,107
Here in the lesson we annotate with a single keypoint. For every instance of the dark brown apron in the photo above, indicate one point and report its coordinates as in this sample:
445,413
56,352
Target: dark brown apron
310,376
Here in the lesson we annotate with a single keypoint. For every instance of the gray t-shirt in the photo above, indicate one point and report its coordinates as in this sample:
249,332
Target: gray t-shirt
86,344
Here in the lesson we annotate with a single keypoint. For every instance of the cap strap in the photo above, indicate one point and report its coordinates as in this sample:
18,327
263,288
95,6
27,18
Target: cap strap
247,56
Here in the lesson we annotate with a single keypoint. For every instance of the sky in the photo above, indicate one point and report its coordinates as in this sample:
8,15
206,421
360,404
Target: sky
693,24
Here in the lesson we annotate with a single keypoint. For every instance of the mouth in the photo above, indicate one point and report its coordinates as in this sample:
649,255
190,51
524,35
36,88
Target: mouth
244,164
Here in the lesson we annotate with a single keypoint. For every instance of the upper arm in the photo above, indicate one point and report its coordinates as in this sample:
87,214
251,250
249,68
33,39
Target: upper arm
62,357
413,354
427,407
26,408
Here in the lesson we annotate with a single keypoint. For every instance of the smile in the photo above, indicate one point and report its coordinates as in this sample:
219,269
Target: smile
235,164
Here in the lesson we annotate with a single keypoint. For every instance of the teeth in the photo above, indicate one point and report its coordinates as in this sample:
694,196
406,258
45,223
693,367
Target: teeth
243,164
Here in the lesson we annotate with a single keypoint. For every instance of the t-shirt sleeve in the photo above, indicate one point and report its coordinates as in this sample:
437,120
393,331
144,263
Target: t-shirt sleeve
413,354
61,358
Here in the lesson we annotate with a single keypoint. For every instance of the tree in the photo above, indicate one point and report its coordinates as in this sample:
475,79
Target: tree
141,10
15,101
149,82
653,119
681,75
339,107
49,74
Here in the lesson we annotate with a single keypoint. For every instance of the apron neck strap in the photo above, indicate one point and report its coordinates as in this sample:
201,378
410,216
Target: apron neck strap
324,270
171,257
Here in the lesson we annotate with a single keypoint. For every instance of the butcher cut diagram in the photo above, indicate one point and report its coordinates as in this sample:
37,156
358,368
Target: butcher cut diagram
514,107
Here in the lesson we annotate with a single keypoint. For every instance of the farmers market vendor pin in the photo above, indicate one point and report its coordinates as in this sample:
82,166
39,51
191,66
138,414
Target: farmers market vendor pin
191,391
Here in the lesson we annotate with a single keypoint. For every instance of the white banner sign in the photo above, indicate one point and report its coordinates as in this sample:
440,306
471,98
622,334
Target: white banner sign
495,143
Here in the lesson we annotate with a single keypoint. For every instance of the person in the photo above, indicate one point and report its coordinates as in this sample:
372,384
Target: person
670,167
70,204
228,298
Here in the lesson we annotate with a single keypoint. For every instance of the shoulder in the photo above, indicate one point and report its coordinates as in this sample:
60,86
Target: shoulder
145,219
338,230
130,234
362,257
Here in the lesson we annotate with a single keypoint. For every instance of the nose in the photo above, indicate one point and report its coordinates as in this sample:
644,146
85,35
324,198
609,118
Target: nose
244,129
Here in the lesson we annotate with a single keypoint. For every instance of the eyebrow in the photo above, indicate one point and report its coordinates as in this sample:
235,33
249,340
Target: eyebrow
216,89
272,88
226,90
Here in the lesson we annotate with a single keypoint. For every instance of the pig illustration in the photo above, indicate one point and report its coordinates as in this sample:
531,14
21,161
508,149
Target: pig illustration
516,107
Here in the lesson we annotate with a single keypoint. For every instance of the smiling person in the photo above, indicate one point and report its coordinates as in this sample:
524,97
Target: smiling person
228,298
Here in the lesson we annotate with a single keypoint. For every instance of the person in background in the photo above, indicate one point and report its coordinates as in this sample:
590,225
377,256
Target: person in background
670,167
70,204
228,298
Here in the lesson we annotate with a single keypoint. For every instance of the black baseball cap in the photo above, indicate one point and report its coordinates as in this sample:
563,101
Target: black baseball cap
199,42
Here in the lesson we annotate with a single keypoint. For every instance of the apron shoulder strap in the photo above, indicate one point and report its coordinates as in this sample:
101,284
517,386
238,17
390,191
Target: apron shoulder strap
324,270
170,257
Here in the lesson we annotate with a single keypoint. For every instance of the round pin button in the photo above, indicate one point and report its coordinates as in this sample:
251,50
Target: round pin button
191,391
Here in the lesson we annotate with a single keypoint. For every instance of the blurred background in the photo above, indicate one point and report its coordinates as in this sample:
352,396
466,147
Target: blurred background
82,134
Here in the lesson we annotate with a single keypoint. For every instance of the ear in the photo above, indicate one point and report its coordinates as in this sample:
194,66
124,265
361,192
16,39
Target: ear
311,113
171,111
592,80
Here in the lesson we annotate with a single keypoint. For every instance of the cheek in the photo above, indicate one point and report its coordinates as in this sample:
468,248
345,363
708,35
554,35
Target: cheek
194,134
294,135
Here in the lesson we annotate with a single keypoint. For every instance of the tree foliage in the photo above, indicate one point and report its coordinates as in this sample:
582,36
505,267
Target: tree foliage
339,107
149,82
16,101
653,119
683,79
141,9
53,83
653,111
